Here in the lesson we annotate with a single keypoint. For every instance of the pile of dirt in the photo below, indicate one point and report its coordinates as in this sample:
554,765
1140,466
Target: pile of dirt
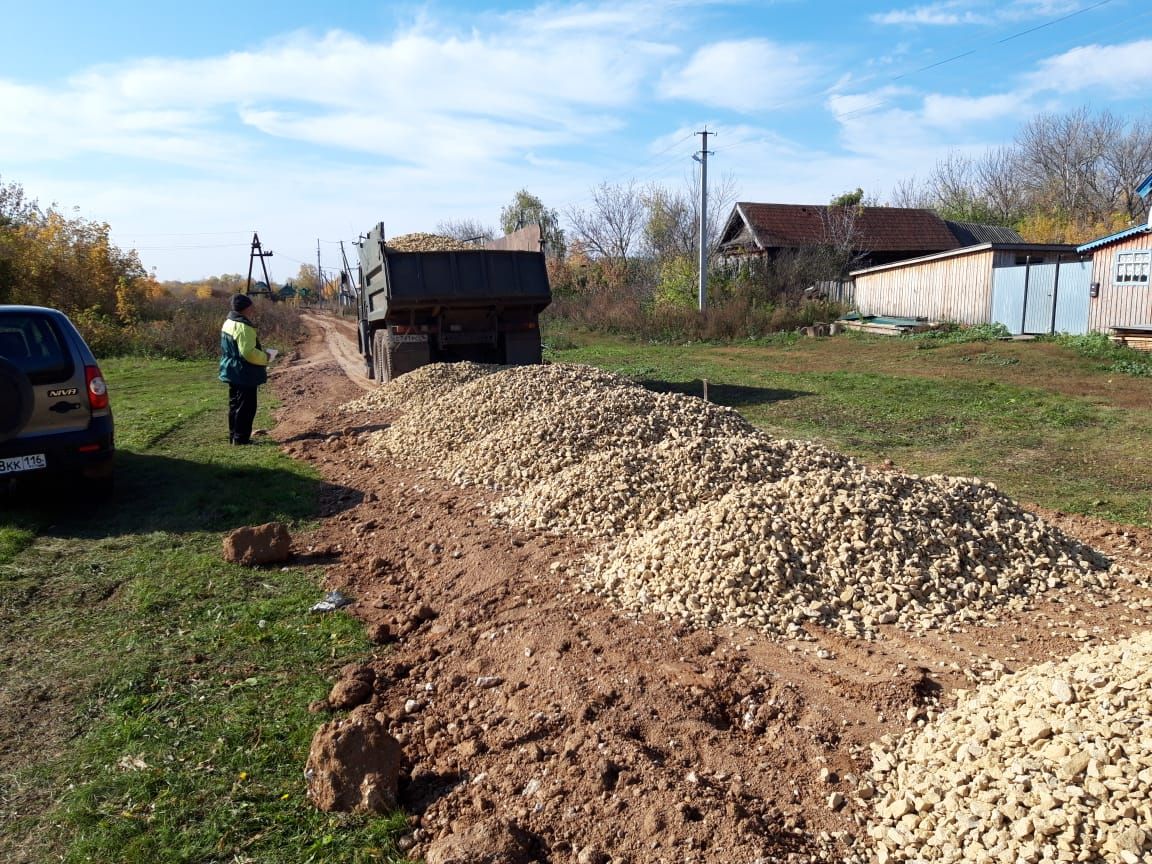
414,391
1052,763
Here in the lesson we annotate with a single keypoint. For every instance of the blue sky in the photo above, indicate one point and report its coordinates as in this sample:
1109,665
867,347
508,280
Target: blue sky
189,126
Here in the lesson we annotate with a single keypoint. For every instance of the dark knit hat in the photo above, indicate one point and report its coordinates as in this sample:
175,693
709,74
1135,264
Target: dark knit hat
240,302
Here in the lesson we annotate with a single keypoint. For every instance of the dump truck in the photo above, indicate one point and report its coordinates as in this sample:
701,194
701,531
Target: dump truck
425,307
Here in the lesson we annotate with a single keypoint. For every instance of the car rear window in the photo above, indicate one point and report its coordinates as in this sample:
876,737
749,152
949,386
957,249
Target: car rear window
35,344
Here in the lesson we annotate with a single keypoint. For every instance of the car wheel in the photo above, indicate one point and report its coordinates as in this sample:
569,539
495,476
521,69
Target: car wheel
15,400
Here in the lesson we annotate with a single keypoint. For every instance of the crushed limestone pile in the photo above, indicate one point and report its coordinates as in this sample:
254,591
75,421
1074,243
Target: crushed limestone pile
624,489
414,390
713,521
847,547
564,434
1052,763
423,242
435,431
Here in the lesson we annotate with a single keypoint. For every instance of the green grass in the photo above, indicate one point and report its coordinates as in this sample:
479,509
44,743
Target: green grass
1028,417
159,704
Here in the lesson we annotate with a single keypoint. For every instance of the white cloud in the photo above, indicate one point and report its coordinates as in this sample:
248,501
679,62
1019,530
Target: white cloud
420,94
951,13
957,112
746,75
1119,70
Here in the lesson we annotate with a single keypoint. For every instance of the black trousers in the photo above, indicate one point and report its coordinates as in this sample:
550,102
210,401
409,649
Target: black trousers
241,413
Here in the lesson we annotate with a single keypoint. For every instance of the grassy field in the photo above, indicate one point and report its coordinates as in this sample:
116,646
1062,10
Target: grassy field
1048,425
154,707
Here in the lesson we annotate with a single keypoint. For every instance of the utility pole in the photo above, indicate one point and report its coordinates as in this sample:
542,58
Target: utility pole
702,262
258,252
319,276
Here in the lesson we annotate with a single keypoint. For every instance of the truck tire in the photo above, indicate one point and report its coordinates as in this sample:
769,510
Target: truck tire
15,400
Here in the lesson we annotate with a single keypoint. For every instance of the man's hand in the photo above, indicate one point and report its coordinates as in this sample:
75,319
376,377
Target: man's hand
272,354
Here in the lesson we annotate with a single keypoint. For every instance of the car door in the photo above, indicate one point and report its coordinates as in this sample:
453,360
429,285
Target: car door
39,346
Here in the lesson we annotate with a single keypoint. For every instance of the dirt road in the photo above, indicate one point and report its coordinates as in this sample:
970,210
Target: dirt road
539,724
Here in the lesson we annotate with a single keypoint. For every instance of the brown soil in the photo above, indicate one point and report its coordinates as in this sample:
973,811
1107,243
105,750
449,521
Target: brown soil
532,711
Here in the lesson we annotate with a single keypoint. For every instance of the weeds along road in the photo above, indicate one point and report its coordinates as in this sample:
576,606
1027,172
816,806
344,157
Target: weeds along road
539,721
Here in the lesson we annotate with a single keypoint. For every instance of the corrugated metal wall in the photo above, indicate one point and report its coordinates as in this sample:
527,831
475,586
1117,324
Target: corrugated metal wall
1119,305
957,288
1037,287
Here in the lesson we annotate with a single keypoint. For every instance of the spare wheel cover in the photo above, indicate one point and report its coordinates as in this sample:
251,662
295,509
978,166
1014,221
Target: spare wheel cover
15,400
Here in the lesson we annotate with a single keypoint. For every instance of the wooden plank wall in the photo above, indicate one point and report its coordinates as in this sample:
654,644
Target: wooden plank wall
957,288
1119,305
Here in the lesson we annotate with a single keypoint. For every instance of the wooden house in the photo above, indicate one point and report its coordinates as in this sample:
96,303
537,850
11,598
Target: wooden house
875,235
1121,300
1015,284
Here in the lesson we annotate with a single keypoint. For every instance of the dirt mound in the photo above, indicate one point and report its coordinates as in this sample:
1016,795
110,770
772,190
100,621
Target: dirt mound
270,543
414,390
353,765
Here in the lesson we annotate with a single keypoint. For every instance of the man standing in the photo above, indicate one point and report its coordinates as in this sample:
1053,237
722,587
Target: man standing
243,367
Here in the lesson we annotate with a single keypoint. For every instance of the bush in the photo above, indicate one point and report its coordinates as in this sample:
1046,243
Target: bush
180,329
956,334
1120,359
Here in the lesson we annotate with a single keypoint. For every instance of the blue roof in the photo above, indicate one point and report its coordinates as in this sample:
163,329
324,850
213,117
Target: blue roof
1145,188
1112,238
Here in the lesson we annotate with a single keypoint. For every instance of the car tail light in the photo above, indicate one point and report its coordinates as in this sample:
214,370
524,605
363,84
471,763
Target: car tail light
97,389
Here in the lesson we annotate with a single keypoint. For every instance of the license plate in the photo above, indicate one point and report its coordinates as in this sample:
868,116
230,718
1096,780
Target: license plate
31,462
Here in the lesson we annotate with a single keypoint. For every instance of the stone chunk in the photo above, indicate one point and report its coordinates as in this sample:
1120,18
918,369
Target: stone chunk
261,544
353,766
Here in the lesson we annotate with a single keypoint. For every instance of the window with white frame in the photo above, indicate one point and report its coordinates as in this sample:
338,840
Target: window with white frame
1132,267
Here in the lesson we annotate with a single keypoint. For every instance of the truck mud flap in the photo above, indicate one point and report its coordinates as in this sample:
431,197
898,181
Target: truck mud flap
522,349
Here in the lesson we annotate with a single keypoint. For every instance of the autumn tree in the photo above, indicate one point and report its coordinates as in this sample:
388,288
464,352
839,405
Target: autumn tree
527,209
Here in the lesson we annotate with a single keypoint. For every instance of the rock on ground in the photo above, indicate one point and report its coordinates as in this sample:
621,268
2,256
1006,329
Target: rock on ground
261,544
353,765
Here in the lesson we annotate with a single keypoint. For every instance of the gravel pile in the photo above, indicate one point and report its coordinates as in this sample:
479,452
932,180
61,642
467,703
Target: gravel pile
447,421
414,390
625,489
1053,763
713,521
562,435
421,242
847,547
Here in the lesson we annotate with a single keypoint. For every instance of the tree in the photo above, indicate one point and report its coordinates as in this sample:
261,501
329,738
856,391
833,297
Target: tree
527,209
610,227
849,199
465,230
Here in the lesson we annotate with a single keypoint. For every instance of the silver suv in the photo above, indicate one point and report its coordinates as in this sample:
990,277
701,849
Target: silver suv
55,419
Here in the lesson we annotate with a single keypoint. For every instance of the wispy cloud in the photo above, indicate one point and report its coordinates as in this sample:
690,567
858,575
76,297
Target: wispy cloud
951,13
746,75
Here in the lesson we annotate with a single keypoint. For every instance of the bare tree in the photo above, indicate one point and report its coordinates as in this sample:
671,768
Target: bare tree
913,193
465,230
611,226
1000,186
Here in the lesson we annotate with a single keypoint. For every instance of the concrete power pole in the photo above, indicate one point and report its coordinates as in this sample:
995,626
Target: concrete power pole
702,262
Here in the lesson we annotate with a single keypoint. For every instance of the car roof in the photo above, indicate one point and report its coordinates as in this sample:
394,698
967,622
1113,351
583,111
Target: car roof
19,308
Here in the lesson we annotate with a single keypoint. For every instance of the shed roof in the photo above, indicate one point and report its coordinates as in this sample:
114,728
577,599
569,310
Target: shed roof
974,233
881,229
1112,238
1145,188
1058,248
